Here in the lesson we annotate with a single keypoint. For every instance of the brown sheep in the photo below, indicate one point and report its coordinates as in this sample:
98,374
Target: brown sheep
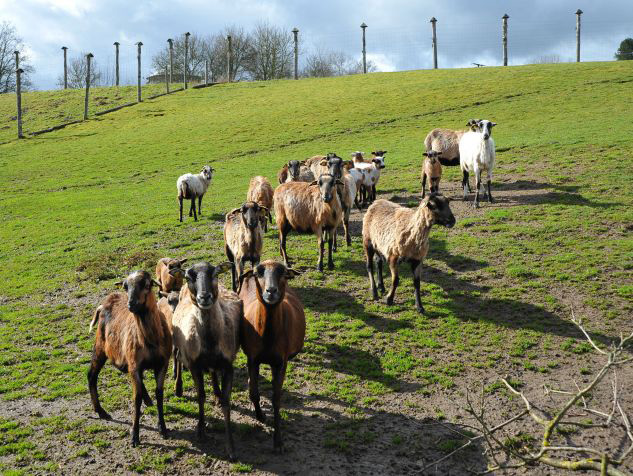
295,171
167,305
395,233
133,334
260,191
243,237
324,164
431,170
272,332
169,274
309,208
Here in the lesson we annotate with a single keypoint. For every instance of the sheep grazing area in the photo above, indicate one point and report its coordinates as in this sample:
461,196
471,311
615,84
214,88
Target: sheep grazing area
377,389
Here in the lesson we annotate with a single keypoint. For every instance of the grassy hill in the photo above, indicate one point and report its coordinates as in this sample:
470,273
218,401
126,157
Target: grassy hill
83,206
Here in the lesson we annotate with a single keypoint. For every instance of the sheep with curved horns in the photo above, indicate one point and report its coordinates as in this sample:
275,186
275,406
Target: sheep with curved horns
243,237
134,335
394,233
477,154
206,326
261,192
431,170
192,186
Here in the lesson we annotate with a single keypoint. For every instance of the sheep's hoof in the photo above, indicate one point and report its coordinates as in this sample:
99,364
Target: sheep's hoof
135,441
164,431
231,456
260,416
278,447
490,200
420,309
320,267
104,415
475,205
389,301
330,266
201,434
349,241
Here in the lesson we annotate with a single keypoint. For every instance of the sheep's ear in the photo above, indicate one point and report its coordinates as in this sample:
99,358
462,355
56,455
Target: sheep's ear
235,211
425,154
189,275
243,276
492,124
155,283
163,294
119,283
263,211
323,162
221,268
373,153
431,204
314,183
339,182
291,273
182,261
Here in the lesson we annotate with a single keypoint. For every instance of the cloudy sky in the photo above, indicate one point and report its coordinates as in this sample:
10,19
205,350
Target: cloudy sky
398,33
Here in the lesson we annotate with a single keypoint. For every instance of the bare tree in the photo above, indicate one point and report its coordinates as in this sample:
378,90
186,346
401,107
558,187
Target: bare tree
9,43
333,63
198,52
242,51
273,53
77,71
547,59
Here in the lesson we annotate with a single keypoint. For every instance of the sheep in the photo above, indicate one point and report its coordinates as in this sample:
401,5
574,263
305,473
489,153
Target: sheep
348,199
260,191
295,171
431,169
395,233
306,208
169,274
243,237
273,331
324,164
446,141
371,175
477,154
133,334
358,157
206,326
192,186
167,305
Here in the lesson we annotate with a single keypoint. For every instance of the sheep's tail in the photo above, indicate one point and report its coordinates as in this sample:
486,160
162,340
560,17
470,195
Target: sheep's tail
183,191
95,318
427,142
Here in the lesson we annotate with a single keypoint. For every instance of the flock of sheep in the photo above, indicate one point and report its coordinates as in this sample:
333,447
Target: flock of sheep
203,325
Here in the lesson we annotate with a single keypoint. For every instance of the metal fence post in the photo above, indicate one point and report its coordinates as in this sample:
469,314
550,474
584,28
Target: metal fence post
295,32
363,26
229,58
505,39
184,72
138,83
171,59
578,13
89,56
18,93
116,63
65,48
433,22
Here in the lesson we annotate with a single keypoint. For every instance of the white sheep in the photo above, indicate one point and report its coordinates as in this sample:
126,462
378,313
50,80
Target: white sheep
192,186
477,154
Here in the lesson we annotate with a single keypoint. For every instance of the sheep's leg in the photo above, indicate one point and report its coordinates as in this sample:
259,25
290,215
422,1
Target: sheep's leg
395,279
178,376
199,205
335,233
137,385
330,261
279,373
193,206
159,375
373,193
225,400
478,186
381,284
198,380
174,352
180,202
283,233
465,184
369,252
97,363
423,185
489,183
216,387
416,269
146,398
253,389
238,271
321,241
348,237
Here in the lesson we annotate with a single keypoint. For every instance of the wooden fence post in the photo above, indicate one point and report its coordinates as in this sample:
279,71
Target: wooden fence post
578,13
18,93
138,82
295,32
186,65
363,26
206,72
171,59
116,63
229,58
17,59
433,22
65,48
167,78
89,56
505,39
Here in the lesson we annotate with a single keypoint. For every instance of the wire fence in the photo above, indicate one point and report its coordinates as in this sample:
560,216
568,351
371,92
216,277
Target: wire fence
458,44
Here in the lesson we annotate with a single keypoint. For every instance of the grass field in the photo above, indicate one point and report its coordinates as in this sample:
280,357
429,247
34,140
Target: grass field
83,206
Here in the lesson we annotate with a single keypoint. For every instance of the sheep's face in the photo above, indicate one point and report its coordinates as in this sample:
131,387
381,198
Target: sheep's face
358,156
294,169
207,172
485,127
251,213
138,287
172,298
327,184
202,281
379,158
439,206
272,279
432,155
334,164
174,268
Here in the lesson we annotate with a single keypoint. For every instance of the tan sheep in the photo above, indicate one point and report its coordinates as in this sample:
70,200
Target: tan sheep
169,274
394,233
261,192
431,170
446,142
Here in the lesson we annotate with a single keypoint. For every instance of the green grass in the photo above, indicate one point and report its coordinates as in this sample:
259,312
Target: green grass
83,206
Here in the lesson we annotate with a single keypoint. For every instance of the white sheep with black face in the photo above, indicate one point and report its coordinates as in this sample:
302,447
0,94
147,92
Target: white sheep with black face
192,186
477,155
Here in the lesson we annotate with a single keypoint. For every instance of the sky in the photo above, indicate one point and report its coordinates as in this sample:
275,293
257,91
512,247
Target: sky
398,32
